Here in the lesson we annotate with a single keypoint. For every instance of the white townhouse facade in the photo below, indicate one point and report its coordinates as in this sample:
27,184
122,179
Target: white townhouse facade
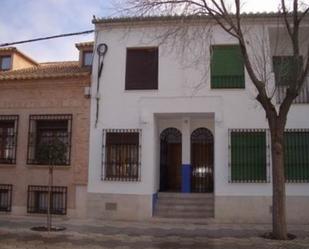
174,118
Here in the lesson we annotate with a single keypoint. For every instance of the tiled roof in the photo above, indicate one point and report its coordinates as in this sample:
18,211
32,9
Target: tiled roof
84,44
175,18
47,70
8,49
15,50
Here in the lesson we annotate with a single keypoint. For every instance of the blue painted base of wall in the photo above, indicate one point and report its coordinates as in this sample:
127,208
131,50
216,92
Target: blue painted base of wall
186,178
154,202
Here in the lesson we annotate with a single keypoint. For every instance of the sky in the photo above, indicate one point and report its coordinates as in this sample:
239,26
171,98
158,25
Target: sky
28,19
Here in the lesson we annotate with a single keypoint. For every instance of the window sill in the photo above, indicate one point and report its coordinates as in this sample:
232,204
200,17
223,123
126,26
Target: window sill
118,180
7,165
297,181
250,182
140,90
227,88
61,167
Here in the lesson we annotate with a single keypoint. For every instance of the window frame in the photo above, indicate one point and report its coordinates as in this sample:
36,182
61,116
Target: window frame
33,137
125,178
33,199
6,188
84,58
141,87
303,179
267,155
241,85
303,97
13,148
1,62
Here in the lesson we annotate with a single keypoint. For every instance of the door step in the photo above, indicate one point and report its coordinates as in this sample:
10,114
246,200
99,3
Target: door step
184,205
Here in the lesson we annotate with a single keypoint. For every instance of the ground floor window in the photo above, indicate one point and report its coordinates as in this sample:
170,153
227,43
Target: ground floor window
49,140
6,197
121,155
38,199
296,155
8,138
248,155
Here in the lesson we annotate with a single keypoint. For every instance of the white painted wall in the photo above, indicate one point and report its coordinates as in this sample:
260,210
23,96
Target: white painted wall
184,90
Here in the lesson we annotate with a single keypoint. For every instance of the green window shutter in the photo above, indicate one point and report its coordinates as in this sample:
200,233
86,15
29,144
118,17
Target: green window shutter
227,67
296,156
248,156
286,69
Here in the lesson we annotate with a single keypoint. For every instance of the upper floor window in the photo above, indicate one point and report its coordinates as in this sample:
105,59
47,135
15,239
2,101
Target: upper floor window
121,159
50,139
141,69
8,138
87,58
5,63
227,67
286,70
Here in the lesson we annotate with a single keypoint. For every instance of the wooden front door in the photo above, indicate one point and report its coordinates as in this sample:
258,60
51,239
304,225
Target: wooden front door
170,160
174,167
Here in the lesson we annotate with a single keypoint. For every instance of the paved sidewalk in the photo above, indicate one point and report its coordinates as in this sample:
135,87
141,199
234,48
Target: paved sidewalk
94,234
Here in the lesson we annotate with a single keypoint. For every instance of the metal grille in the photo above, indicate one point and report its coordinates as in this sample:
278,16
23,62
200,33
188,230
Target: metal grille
202,145
121,155
170,159
6,197
49,139
8,138
296,156
248,155
37,201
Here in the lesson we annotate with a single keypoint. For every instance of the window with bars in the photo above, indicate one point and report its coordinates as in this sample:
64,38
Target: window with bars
49,141
248,155
37,201
296,155
8,138
142,69
121,155
227,67
6,197
286,70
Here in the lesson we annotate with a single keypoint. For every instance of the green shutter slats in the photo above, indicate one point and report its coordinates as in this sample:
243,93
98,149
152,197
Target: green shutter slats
227,67
296,155
287,69
248,156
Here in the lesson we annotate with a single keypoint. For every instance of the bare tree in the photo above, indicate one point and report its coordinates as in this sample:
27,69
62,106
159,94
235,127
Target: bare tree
230,19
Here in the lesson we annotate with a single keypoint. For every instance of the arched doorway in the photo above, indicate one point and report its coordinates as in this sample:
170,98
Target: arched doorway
170,160
202,158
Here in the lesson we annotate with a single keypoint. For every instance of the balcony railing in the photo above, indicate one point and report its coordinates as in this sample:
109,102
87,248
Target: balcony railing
302,98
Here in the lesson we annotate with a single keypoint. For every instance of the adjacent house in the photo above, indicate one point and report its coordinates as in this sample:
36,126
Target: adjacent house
175,128
44,120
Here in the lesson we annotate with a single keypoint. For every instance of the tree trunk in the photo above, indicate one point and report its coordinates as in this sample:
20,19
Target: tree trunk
279,205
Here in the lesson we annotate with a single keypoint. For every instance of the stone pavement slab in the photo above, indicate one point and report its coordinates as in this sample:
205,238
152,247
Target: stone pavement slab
15,233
